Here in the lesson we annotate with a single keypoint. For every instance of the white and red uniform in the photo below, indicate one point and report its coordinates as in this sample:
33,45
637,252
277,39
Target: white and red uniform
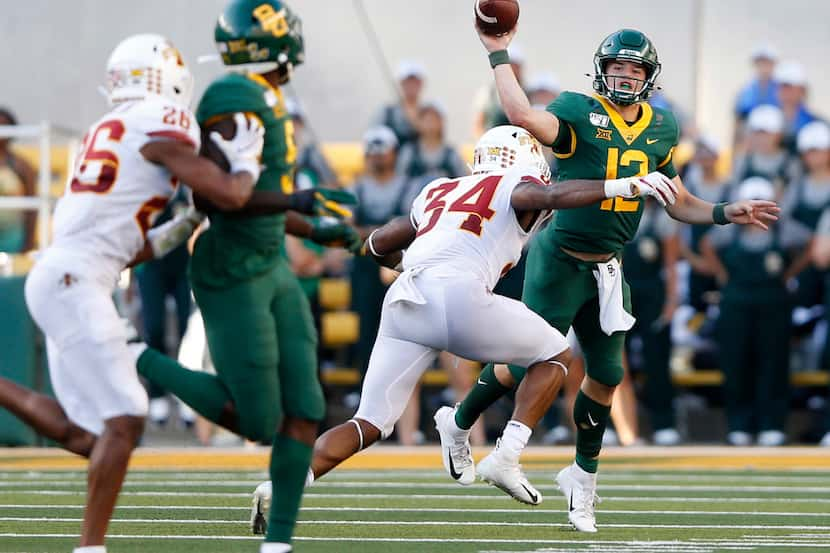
468,236
110,201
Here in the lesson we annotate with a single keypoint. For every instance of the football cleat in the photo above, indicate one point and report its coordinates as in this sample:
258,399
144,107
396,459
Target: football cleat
261,505
508,477
580,491
457,457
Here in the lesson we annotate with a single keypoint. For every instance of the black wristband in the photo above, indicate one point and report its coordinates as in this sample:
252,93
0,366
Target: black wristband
499,57
719,214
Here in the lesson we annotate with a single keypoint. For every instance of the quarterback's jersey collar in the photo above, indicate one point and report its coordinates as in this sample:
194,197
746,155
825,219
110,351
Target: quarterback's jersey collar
629,133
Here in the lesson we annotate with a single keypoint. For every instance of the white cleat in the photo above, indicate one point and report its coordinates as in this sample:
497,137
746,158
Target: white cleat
580,491
457,457
261,506
509,478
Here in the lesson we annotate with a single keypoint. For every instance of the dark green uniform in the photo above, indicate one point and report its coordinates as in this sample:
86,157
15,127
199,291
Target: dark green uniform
754,326
809,201
257,318
701,284
593,143
648,343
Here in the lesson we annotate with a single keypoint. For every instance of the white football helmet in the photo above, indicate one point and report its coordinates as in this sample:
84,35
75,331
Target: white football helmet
148,64
505,146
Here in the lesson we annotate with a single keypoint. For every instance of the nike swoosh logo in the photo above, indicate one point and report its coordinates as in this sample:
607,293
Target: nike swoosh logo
651,140
480,381
533,496
571,502
455,475
591,420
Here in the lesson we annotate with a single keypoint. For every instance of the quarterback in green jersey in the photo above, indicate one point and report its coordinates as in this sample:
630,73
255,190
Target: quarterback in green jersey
573,276
258,321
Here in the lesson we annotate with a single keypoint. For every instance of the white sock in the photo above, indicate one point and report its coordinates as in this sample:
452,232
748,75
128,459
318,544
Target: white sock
91,549
309,478
460,435
513,440
584,476
273,547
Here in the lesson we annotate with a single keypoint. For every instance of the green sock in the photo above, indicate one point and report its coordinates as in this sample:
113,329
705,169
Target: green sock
204,392
290,460
484,394
590,418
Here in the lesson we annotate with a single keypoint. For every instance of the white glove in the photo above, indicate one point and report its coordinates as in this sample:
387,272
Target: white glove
165,238
654,184
243,151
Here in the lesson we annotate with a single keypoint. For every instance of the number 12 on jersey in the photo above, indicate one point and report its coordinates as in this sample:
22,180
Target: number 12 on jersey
475,201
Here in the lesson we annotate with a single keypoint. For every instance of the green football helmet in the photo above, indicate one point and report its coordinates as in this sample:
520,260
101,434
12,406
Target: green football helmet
261,36
629,45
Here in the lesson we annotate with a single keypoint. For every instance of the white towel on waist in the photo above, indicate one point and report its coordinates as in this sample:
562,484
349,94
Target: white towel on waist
404,288
612,316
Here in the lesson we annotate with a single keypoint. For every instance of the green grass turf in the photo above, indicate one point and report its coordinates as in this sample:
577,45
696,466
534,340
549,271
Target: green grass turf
354,511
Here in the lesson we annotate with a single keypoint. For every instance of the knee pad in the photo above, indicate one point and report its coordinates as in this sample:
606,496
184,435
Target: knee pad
517,372
609,375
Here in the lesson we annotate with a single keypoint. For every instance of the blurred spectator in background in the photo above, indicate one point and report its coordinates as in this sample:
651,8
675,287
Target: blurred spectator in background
792,97
383,194
489,113
821,259
755,323
762,89
651,272
402,115
658,99
312,169
17,178
702,179
808,197
158,280
765,155
542,89
429,157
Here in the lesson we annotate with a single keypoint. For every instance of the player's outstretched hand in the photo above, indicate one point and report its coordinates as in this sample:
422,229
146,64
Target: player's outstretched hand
244,150
494,43
659,186
760,213
323,202
336,235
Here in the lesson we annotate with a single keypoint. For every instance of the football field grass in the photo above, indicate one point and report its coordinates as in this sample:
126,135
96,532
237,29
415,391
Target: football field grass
399,501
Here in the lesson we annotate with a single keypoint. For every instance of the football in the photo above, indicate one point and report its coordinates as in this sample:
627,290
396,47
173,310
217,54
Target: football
496,17
227,128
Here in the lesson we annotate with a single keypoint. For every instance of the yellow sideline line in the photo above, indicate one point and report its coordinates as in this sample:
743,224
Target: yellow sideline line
428,457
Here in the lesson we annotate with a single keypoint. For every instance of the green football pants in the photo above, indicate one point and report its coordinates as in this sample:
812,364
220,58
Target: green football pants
563,290
264,346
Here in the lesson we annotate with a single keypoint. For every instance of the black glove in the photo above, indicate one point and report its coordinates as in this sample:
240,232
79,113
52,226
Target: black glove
323,202
337,235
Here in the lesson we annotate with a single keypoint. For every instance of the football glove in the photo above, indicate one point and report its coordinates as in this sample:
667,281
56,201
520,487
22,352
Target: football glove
337,235
244,150
323,202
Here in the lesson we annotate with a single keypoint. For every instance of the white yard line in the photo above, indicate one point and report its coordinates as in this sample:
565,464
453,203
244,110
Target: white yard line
435,523
516,511
460,496
439,486
347,475
620,544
